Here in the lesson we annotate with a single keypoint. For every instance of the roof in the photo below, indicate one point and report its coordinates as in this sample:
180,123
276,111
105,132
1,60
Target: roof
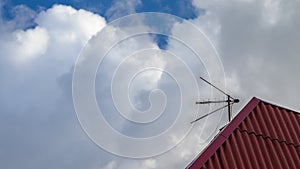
262,135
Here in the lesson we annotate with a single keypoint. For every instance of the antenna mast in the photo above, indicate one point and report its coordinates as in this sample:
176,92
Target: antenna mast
230,101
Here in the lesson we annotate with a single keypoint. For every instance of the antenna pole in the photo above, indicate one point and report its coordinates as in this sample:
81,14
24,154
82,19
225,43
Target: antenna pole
229,109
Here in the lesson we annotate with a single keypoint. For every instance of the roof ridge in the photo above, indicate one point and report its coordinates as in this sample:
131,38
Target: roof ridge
269,137
290,110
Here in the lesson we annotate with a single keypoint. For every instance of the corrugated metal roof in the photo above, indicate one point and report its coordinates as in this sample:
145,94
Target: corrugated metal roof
262,135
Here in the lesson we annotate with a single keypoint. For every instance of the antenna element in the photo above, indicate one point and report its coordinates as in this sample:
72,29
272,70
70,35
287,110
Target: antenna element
230,101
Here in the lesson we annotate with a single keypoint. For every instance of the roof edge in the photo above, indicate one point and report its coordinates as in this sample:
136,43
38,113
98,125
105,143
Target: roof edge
280,106
223,135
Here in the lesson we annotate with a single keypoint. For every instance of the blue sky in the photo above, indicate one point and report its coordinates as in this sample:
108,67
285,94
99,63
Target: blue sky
257,43
181,8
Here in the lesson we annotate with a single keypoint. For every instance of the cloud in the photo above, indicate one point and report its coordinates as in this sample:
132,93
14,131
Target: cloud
121,8
70,24
28,44
257,42
23,17
37,72
193,143
38,124
41,88
259,38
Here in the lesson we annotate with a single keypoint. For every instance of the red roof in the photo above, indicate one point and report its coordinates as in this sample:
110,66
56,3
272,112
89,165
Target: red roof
262,135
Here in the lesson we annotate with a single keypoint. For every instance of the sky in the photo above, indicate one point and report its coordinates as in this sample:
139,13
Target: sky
246,47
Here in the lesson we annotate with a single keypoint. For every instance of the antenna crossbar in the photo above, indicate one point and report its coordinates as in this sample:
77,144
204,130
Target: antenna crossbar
209,102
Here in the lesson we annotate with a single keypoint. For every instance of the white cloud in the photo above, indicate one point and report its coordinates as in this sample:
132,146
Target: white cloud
69,30
272,11
28,44
23,17
68,24
110,165
122,8
37,118
60,33
257,41
149,164
44,55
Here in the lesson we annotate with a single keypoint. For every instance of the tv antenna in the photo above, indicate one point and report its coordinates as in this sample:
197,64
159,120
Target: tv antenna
230,101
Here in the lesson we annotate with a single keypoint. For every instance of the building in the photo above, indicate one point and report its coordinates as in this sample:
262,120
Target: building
262,135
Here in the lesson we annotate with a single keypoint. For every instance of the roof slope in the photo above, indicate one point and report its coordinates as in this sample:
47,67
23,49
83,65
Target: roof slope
262,135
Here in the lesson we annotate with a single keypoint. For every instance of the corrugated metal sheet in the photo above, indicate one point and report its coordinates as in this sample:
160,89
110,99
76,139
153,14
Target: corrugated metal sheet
262,135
